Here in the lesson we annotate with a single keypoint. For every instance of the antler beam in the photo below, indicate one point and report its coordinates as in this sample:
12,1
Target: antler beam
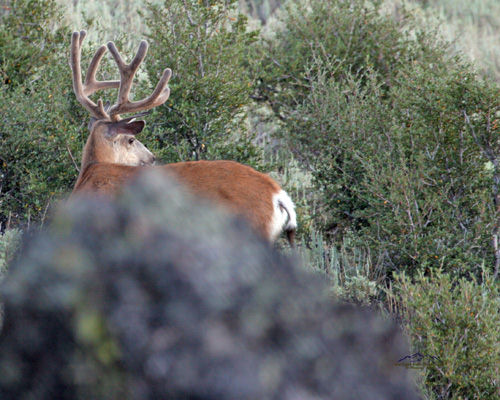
91,85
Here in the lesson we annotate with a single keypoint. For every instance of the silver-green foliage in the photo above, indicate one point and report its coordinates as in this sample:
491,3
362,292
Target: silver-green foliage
455,323
114,17
159,296
350,271
10,240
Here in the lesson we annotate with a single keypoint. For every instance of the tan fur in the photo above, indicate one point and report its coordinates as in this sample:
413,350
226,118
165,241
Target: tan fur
242,189
114,149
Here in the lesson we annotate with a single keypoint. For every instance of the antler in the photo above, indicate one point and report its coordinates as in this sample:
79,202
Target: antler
127,72
91,85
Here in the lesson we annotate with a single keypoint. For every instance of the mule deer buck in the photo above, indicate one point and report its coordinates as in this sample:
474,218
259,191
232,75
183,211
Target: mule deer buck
112,155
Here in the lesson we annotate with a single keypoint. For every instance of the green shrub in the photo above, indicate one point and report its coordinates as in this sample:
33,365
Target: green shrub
340,36
40,133
207,45
412,185
29,36
38,128
455,323
376,110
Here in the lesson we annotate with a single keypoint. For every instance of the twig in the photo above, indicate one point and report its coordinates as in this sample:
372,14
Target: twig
488,152
497,256
45,211
190,19
72,158
491,156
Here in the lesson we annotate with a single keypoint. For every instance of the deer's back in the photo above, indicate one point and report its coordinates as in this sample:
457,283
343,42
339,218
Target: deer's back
104,178
236,186
239,187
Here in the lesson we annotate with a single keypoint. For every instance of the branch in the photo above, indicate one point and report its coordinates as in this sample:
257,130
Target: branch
190,19
490,155
72,158
488,152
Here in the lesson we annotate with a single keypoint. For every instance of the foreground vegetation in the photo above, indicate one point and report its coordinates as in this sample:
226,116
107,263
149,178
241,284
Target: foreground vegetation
193,315
385,136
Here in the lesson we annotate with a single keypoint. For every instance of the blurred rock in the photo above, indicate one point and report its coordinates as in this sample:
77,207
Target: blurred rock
156,296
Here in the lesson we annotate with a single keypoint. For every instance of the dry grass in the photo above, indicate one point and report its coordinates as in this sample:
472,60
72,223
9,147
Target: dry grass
473,26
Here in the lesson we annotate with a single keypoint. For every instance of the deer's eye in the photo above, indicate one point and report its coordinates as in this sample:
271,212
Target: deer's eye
131,140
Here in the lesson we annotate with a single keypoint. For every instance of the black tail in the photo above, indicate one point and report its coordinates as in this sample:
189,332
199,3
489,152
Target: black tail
290,235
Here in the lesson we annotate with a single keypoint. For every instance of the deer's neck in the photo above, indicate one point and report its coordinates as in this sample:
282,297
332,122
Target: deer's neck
96,150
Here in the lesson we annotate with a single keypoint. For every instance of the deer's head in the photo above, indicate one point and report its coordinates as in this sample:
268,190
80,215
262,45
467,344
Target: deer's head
113,139
116,142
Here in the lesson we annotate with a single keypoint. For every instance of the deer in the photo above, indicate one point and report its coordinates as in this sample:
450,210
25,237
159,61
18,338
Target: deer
112,155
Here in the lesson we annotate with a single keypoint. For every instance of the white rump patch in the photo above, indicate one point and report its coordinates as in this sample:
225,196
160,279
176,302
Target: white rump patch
284,217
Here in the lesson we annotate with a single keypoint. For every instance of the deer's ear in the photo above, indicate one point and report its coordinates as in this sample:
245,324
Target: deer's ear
125,127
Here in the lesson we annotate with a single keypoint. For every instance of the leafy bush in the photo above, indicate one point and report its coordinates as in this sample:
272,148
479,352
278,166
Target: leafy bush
30,36
412,185
207,45
41,132
456,324
377,110
39,128
339,36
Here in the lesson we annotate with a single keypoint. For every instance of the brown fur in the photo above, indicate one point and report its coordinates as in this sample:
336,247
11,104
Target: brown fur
96,148
242,189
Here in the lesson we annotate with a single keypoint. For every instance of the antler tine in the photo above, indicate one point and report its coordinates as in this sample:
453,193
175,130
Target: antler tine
139,57
157,98
127,72
82,91
91,84
82,36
